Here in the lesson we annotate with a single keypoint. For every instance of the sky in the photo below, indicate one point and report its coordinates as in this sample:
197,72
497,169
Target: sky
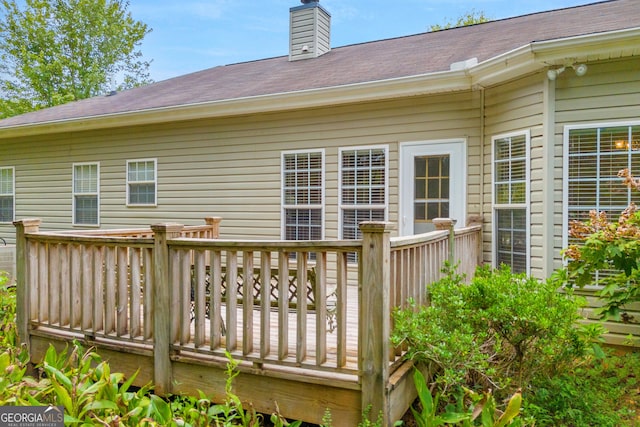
193,35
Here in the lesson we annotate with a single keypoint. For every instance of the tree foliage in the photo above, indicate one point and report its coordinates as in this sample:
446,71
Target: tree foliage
469,18
57,51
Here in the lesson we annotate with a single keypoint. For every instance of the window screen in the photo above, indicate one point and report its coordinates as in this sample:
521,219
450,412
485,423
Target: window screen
595,156
85,194
7,194
302,176
363,189
141,182
510,201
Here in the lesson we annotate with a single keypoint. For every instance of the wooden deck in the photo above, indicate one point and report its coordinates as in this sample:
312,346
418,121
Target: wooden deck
309,326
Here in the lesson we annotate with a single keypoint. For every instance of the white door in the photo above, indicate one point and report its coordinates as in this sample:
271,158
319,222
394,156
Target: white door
432,184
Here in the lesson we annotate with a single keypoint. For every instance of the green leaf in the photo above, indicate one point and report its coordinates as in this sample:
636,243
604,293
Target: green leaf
454,417
101,405
59,376
63,397
125,386
5,361
160,410
512,411
424,394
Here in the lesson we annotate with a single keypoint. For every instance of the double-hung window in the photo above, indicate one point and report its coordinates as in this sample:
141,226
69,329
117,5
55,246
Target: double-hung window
86,194
303,195
593,157
363,188
141,182
511,201
7,194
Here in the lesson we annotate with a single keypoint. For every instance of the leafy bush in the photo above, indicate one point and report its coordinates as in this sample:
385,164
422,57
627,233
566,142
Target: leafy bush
600,392
8,332
612,248
498,332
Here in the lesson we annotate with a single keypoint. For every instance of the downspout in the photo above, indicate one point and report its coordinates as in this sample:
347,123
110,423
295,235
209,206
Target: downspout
482,168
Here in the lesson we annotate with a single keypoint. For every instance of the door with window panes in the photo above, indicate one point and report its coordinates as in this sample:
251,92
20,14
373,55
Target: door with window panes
432,185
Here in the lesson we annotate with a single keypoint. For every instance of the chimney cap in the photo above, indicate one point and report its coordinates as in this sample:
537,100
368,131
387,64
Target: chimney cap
309,1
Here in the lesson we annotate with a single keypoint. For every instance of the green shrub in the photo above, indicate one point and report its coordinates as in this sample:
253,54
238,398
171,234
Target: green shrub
498,332
599,392
8,332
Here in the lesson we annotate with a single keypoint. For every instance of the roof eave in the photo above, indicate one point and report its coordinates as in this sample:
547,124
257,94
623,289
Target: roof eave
606,45
504,67
541,54
360,92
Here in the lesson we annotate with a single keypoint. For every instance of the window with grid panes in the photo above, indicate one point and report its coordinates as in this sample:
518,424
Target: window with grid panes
595,155
302,195
86,187
141,182
7,194
510,201
363,189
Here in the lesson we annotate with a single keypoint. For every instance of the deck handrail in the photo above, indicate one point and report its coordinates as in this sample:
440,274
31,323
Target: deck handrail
211,229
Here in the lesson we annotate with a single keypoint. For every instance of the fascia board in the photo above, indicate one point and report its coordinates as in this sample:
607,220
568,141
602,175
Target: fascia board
362,92
537,55
555,52
501,68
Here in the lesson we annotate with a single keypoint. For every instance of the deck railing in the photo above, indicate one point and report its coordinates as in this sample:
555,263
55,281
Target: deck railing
176,291
243,319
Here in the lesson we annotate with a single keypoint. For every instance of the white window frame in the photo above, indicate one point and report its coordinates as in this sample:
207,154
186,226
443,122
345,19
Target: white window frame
284,206
154,182
343,206
499,206
565,166
74,194
12,194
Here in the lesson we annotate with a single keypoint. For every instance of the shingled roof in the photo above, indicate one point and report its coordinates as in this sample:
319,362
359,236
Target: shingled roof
417,55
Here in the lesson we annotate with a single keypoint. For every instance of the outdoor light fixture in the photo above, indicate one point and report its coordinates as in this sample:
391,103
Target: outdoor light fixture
580,69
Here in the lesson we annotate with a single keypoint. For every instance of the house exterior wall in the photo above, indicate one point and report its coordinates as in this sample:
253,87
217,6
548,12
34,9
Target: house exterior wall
517,106
230,167
608,93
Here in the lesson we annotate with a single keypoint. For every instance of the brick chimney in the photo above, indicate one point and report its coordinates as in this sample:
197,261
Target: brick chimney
310,31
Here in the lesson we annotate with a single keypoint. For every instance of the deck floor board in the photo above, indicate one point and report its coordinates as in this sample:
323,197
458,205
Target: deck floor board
292,317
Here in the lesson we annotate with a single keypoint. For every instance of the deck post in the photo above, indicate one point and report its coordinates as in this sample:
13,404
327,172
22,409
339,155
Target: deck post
472,220
162,316
214,222
23,294
448,224
375,319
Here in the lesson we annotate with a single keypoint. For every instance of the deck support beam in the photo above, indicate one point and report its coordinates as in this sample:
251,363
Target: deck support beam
162,373
375,319
23,296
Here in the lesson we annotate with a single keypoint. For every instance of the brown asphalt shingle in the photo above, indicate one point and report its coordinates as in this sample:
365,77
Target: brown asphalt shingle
379,60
